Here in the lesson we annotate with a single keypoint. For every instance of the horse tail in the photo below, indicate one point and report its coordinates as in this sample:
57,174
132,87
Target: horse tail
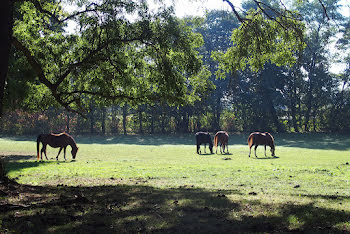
250,140
216,140
37,146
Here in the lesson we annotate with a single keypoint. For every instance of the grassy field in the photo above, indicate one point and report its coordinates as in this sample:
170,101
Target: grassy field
158,183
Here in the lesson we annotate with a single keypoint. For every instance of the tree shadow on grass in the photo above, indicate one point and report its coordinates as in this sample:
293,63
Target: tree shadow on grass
314,141
19,162
16,157
140,208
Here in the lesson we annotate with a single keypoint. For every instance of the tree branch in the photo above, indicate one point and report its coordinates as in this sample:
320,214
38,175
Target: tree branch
91,54
324,9
40,8
40,73
235,11
32,61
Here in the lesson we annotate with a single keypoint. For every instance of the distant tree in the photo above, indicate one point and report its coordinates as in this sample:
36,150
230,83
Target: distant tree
269,32
216,30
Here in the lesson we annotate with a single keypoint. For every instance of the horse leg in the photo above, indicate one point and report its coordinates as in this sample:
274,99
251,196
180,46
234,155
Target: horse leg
44,150
41,153
198,149
64,151
250,150
205,148
221,147
265,150
58,153
255,150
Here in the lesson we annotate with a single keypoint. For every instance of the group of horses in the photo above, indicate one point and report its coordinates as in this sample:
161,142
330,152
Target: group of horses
62,140
255,138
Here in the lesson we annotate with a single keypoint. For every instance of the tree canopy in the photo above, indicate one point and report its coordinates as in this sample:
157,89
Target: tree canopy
122,52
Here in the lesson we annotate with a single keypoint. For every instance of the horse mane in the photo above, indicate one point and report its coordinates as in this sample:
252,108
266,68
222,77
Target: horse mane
271,137
59,134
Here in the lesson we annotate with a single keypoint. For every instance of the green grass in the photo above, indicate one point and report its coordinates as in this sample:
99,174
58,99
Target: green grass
305,187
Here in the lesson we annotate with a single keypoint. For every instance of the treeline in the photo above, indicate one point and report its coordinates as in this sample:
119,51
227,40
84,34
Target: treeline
144,119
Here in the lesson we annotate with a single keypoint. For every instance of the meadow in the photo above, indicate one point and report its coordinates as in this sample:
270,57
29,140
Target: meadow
159,184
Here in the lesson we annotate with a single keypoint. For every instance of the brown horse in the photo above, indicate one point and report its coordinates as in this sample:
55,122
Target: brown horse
61,141
221,137
259,138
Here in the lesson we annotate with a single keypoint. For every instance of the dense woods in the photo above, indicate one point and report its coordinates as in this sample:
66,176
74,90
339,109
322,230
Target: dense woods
161,74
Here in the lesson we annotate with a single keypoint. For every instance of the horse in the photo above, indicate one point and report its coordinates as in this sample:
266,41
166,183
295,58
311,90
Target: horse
259,138
61,140
221,137
203,138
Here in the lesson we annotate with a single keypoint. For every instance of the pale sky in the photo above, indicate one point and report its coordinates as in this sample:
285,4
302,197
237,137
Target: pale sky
198,8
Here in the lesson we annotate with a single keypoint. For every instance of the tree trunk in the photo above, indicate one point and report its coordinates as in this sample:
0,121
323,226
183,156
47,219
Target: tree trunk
272,111
218,114
103,120
152,119
124,118
68,122
140,120
6,23
163,120
293,98
308,105
92,122
185,120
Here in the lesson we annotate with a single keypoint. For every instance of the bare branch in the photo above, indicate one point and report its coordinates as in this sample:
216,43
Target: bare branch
235,11
324,9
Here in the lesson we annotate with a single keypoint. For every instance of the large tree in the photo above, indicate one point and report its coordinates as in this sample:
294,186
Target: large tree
123,51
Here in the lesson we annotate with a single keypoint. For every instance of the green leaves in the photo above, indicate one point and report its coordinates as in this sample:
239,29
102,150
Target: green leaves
149,57
261,39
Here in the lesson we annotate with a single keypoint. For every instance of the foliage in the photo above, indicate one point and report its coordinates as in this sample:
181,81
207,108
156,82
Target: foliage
146,59
263,38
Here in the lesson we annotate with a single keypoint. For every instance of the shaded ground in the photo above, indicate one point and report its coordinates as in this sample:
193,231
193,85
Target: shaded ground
138,208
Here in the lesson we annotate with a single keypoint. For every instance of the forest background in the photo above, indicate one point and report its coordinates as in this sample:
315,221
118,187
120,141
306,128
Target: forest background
302,97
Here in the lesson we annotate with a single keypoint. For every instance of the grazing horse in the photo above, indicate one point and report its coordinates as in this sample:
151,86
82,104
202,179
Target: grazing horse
259,138
221,137
203,138
61,141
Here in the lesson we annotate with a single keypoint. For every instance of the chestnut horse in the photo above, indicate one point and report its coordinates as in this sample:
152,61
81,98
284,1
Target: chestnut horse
259,138
203,138
222,137
61,141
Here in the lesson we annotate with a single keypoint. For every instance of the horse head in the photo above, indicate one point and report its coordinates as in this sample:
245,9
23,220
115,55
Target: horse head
272,149
74,152
272,145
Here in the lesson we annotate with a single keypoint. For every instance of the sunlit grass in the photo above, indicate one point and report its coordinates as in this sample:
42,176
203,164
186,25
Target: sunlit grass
295,170
310,176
